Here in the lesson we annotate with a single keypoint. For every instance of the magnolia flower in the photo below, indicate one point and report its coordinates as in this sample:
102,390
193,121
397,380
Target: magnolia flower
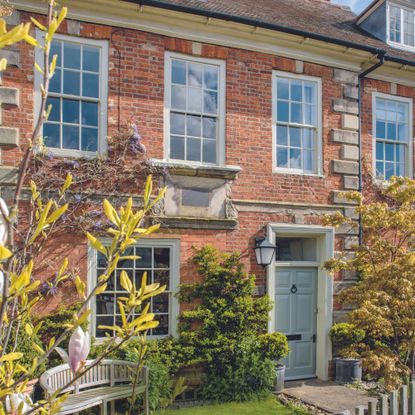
78,350
3,223
15,399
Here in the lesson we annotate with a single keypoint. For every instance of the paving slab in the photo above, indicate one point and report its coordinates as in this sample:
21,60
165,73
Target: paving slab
331,397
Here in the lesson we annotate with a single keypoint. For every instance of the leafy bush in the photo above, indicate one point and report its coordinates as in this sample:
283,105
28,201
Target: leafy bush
273,346
345,335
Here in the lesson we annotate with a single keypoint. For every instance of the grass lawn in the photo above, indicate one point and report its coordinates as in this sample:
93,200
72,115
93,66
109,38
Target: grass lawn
266,406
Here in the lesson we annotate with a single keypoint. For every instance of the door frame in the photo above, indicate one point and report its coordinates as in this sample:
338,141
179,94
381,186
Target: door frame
325,251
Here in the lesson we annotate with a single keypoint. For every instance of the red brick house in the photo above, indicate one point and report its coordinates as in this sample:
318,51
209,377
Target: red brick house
253,108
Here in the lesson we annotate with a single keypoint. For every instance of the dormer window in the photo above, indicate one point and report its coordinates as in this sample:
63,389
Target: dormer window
401,26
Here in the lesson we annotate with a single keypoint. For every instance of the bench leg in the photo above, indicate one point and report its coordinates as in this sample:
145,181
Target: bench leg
104,408
112,407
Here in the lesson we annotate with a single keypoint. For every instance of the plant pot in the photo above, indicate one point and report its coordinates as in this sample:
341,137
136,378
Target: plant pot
348,370
279,378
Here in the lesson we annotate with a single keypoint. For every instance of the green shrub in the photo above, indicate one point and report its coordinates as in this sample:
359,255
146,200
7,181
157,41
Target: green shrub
273,346
344,336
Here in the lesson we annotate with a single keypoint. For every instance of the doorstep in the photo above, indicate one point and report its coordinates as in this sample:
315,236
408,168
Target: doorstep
329,396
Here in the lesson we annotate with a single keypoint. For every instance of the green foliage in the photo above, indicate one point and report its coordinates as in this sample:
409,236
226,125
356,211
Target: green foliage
383,300
273,346
223,327
345,335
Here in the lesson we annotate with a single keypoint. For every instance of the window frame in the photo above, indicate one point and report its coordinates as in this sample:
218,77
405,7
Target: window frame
398,45
174,307
102,99
319,117
220,145
409,153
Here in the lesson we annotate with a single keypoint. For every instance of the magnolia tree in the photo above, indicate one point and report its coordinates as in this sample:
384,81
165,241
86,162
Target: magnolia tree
24,231
383,299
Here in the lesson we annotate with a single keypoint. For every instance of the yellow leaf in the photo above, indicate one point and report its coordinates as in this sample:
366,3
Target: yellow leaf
111,213
68,182
9,357
54,216
28,329
125,282
96,244
38,24
80,286
39,69
101,289
4,253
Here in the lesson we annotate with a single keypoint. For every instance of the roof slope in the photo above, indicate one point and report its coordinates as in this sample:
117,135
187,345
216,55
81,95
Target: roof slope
319,17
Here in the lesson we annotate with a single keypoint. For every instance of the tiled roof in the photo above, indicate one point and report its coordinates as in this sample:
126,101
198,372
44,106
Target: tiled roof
318,17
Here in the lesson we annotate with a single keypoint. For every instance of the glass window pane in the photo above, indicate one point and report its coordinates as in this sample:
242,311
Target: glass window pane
309,93
163,328
55,113
400,169
161,303
283,89
380,151
402,132
295,158
308,160
70,137
105,303
55,82
209,151
71,82
296,91
282,157
380,129
391,131
389,170
282,135
161,258
71,55
210,102
309,114
177,125
282,111
400,153
209,127
308,138
195,74
178,97
193,149
194,125
70,111
296,249
296,113
177,147
145,260
178,72
408,18
56,49
89,139
295,137
162,277
90,59
51,135
390,152
380,170
90,113
104,321
194,103
90,85
211,77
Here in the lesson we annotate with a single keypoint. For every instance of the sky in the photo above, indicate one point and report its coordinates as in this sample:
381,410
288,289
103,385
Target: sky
356,5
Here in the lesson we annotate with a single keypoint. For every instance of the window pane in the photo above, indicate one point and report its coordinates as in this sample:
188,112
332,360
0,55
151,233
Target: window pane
282,157
380,170
283,91
194,125
400,153
178,72
380,151
296,91
51,135
55,82
178,97
389,170
195,74
70,137
89,139
177,125
145,255
402,132
163,328
380,129
308,138
209,127
282,111
161,258
395,24
209,151
90,113
90,59
296,249
308,160
161,303
162,277
104,321
282,135
391,131
71,55
210,102
389,152
309,114
90,85
177,147
193,149
400,169
55,113
408,18
105,303
211,77
70,111
309,93
56,49
71,81
194,103
296,113
295,158
295,137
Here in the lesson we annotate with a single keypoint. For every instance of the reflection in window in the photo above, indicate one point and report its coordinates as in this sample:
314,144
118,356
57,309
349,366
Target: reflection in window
296,249
296,124
194,111
401,26
156,262
74,96
392,137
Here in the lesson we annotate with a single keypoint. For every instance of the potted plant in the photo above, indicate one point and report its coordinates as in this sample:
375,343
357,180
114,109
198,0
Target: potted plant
345,338
274,346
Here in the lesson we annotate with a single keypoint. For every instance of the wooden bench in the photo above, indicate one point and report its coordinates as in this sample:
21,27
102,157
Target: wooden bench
105,383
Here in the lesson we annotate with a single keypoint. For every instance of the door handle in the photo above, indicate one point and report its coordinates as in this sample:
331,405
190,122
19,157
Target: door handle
314,338
294,289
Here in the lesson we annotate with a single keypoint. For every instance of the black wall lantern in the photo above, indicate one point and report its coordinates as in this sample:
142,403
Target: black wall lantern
264,251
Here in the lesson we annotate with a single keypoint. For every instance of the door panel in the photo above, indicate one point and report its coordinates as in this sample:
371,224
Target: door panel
295,308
